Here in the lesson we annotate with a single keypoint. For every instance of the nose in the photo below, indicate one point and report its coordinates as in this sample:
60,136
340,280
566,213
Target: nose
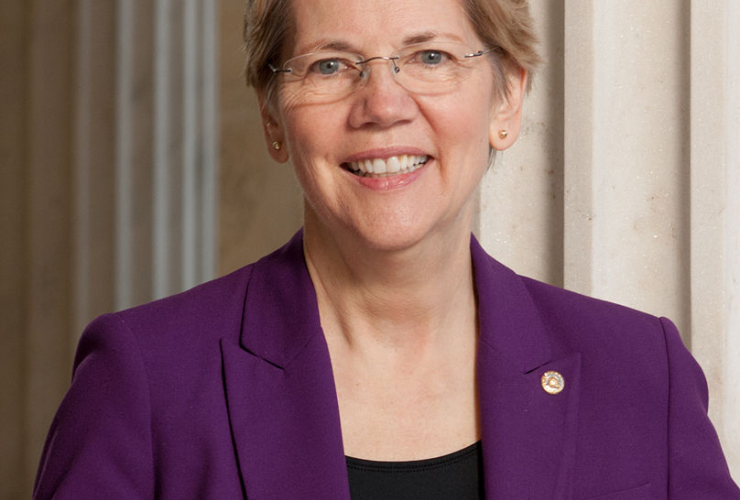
381,100
366,65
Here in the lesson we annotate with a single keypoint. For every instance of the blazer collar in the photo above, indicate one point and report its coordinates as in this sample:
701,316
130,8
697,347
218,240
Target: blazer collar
507,317
281,313
528,434
283,299
283,408
280,393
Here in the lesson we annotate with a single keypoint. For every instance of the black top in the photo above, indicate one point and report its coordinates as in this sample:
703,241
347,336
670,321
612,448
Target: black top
458,476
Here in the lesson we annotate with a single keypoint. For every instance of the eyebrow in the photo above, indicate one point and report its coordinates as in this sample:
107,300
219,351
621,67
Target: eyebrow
426,36
420,37
343,46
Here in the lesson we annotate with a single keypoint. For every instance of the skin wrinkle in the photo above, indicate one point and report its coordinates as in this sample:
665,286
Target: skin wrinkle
268,31
315,179
345,46
402,345
371,299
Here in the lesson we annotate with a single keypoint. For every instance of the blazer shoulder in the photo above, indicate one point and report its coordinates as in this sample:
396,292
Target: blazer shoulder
588,324
217,292
576,303
213,308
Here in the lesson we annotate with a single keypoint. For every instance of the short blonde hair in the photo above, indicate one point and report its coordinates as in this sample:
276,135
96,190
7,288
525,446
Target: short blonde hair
502,24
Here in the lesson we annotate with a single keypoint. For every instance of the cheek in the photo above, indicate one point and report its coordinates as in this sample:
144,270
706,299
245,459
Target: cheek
310,131
310,146
302,145
463,128
467,113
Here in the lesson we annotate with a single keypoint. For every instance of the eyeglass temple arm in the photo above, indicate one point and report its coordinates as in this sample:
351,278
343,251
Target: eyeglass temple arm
278,70
483,52
479,53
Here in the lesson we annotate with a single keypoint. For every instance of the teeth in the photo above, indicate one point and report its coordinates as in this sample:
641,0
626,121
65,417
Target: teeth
378,167
403,162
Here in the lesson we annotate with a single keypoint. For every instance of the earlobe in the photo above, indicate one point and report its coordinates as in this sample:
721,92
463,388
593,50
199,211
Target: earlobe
273,132
507,118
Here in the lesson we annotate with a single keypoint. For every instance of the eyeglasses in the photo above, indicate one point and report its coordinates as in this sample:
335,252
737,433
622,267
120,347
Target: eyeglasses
425,68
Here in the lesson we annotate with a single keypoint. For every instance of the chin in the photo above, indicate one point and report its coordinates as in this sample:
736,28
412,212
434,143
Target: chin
391,243
390,230
393,237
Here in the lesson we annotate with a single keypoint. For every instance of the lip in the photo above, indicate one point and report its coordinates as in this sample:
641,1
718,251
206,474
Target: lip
393,181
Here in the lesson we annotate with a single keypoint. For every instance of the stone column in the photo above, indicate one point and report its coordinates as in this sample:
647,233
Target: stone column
108,185
715,210
626,180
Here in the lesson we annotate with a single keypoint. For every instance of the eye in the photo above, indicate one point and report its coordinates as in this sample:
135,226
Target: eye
432,57
328,67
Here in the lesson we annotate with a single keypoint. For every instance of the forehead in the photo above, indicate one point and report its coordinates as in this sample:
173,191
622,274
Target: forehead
376,24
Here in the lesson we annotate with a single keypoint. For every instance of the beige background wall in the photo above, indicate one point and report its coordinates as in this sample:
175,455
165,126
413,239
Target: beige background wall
108,185
115,115
261,204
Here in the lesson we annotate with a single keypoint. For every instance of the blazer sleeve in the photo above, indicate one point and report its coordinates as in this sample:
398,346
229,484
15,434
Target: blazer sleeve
99,444
697,468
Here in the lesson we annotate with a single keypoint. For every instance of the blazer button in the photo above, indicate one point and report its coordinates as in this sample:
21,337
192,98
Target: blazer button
552,382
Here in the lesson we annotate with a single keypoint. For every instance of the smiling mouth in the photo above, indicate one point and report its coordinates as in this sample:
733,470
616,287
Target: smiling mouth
379,167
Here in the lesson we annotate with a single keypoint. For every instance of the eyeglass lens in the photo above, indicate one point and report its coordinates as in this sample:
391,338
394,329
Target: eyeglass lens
431,68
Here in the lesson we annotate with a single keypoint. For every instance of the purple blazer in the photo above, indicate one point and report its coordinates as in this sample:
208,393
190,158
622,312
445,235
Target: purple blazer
226,392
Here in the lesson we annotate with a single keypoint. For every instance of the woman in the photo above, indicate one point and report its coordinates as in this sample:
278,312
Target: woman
381,353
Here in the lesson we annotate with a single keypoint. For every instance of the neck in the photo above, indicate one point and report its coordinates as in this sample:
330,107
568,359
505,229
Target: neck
411,297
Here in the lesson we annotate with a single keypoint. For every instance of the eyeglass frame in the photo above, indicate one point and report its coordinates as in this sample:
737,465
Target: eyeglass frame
392,59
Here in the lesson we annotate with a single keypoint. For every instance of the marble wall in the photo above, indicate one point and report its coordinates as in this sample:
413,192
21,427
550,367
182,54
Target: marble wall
625,183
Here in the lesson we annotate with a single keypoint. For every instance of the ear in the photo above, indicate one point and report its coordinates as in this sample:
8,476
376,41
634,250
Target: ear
274,133
506,121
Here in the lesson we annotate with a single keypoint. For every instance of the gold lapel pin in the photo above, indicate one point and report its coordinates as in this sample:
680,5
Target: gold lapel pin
552,382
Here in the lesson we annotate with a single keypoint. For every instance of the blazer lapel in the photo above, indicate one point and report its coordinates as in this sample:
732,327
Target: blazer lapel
528,434
279,386
283,407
